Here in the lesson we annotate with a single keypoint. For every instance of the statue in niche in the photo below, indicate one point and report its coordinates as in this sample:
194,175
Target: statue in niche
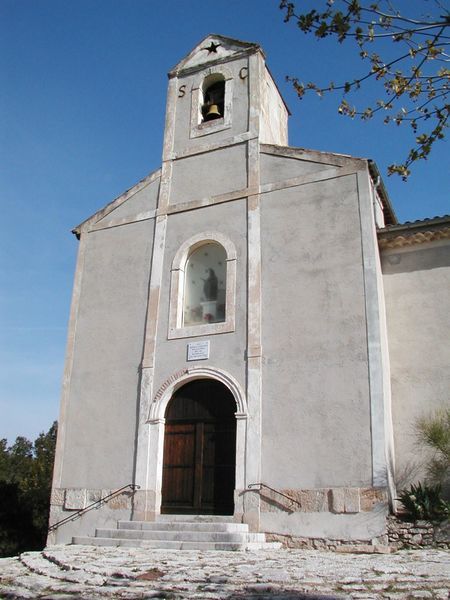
210,285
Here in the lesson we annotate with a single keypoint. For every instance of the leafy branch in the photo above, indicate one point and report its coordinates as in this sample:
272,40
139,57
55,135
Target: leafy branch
415,80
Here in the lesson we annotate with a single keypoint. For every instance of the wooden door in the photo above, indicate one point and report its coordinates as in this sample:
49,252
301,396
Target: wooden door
200,450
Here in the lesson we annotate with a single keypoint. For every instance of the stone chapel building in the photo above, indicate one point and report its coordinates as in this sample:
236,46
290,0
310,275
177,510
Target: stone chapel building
252,333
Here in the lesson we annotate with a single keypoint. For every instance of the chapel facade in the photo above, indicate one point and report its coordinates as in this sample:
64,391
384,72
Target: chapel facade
252,333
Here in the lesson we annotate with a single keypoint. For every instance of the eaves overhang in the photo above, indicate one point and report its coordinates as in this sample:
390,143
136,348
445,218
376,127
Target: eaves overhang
390,218
416,232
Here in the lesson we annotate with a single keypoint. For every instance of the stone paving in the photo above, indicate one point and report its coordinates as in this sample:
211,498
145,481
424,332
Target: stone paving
85,572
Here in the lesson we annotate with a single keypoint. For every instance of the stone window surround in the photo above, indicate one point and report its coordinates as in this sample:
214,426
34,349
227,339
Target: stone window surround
199,128
176,329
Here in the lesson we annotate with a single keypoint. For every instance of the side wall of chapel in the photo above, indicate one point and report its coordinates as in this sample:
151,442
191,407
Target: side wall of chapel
417,285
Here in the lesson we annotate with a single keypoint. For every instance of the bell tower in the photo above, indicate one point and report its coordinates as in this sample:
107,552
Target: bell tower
222,94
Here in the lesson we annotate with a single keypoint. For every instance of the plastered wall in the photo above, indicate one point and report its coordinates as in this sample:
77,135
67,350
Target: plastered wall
417,288
274,114
281,168
316,406
102,404
209,174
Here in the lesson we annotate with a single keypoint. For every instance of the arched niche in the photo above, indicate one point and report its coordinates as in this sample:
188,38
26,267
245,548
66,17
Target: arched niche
203,287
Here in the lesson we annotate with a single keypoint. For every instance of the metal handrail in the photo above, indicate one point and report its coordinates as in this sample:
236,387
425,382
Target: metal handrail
264,485
77,514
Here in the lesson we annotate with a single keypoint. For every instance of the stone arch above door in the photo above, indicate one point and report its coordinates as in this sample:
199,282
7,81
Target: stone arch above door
175,381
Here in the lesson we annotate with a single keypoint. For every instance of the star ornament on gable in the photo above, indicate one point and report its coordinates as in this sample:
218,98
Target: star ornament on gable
212,48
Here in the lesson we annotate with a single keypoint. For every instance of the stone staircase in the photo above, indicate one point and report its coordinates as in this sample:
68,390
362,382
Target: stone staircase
180,532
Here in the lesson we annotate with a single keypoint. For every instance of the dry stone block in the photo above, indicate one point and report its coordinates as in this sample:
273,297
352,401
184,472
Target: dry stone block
442,533
352,500
370,497
345,500
57,497
314,500
120,501
75,499
296,501
94,496
337,500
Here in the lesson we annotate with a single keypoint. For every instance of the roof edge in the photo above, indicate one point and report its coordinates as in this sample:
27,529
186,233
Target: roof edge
417,232
389,212
103,212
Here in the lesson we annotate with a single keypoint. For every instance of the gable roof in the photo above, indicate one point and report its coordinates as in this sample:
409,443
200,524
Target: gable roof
212,49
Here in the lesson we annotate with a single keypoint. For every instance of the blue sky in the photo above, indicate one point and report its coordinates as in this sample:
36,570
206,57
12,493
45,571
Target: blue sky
82,100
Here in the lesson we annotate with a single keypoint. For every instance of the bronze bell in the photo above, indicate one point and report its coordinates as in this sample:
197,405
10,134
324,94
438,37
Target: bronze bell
212,113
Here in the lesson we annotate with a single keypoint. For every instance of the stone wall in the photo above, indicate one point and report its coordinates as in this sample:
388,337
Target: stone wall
325,517
376,545
418,534
344,500
400,535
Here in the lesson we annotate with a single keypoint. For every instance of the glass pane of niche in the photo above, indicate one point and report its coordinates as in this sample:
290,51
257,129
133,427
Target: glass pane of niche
205,286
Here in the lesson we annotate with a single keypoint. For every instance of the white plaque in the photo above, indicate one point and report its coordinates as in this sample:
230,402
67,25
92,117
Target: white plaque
198,350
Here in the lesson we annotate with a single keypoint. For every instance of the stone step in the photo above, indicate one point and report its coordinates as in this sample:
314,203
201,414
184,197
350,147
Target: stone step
180,532
195,518
169,544
187,536
183,526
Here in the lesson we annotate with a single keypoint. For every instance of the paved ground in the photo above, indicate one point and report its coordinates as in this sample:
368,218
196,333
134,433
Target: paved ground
85,572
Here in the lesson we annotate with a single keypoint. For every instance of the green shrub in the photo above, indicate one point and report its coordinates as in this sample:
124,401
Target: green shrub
425,502
433,432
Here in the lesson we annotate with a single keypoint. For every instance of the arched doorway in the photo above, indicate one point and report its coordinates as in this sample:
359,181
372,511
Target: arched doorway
199,450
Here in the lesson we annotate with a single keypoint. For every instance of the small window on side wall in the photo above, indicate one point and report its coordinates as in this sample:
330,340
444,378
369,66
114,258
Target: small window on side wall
203,287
